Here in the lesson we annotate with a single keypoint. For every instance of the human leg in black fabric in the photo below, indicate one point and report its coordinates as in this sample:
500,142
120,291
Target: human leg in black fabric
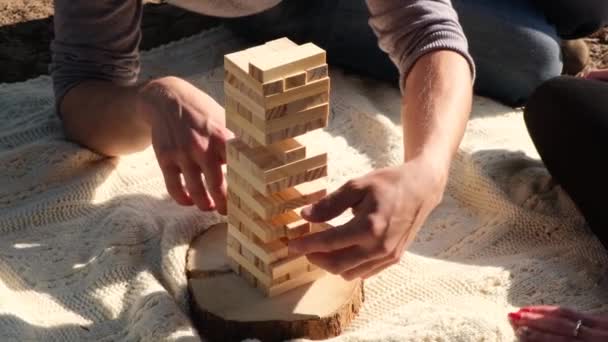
568,121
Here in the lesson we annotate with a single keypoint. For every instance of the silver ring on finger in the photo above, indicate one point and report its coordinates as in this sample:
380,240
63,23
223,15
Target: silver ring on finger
577,328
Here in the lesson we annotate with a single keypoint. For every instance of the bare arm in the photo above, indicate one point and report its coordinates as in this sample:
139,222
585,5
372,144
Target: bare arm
95,67
424,39
105,117
436,106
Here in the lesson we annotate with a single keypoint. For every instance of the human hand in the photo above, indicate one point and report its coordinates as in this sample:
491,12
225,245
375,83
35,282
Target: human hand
389,206
189,138
598,75
556,324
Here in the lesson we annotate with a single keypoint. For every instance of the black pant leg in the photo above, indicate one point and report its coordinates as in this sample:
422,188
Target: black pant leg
567,119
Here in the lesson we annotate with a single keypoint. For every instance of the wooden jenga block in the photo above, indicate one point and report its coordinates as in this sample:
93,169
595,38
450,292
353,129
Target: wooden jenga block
298,93
293,119
295,81
285,286
267,252
287,182
250,268
295,264
286,62
318,73
280,44
288,150
296,106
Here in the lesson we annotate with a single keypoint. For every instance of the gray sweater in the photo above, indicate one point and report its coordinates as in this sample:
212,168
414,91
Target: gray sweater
100,39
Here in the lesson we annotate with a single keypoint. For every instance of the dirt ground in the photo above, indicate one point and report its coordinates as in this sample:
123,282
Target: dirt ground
26,30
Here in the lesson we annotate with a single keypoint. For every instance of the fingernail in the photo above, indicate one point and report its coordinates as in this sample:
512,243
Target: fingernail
514,316
306,212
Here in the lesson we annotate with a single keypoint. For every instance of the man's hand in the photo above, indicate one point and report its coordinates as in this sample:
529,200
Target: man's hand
389,207
189,139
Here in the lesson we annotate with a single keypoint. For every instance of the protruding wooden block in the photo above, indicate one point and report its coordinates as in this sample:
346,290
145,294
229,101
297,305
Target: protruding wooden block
286,62
314,74
295,264
258,275
288,150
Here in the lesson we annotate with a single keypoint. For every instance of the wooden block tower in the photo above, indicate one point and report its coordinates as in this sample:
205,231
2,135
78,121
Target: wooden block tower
275,93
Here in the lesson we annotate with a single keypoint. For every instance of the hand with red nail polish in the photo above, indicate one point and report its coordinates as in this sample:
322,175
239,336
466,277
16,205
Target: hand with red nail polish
557,324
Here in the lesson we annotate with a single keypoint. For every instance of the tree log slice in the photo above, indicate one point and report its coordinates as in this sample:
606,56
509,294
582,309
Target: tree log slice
226,308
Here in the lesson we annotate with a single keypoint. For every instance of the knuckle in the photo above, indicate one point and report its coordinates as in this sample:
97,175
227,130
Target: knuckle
385,248
395,256
376,226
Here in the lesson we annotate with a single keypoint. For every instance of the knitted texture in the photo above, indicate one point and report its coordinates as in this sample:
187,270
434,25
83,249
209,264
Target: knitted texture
92,248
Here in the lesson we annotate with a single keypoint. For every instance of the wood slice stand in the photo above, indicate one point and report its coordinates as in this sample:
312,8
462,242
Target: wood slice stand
226,308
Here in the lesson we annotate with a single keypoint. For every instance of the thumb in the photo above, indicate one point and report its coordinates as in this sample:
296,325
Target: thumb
334,204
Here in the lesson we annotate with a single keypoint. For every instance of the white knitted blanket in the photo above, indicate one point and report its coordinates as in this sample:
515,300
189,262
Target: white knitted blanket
92,248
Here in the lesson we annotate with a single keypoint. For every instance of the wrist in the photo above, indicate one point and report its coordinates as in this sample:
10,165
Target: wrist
153,98
434,165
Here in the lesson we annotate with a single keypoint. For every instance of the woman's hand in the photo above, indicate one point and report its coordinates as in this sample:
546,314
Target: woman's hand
556,324
189,139
598,75
389,205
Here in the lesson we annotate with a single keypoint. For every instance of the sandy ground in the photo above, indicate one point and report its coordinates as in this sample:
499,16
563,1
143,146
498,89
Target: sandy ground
26,31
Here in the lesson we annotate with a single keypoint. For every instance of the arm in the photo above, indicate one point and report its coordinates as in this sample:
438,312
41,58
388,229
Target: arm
436,107
95,66
391,204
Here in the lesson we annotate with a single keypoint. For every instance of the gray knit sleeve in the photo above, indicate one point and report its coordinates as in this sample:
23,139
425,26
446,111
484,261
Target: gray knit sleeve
95,40
409,29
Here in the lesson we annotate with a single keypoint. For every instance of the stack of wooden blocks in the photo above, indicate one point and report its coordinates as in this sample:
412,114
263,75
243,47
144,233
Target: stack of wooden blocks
275,93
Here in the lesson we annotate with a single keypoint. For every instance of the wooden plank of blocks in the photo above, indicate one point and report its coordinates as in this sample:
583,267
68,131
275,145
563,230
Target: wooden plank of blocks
286,62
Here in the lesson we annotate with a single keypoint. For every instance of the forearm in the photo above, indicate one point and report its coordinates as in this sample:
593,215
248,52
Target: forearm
436,106
105,118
